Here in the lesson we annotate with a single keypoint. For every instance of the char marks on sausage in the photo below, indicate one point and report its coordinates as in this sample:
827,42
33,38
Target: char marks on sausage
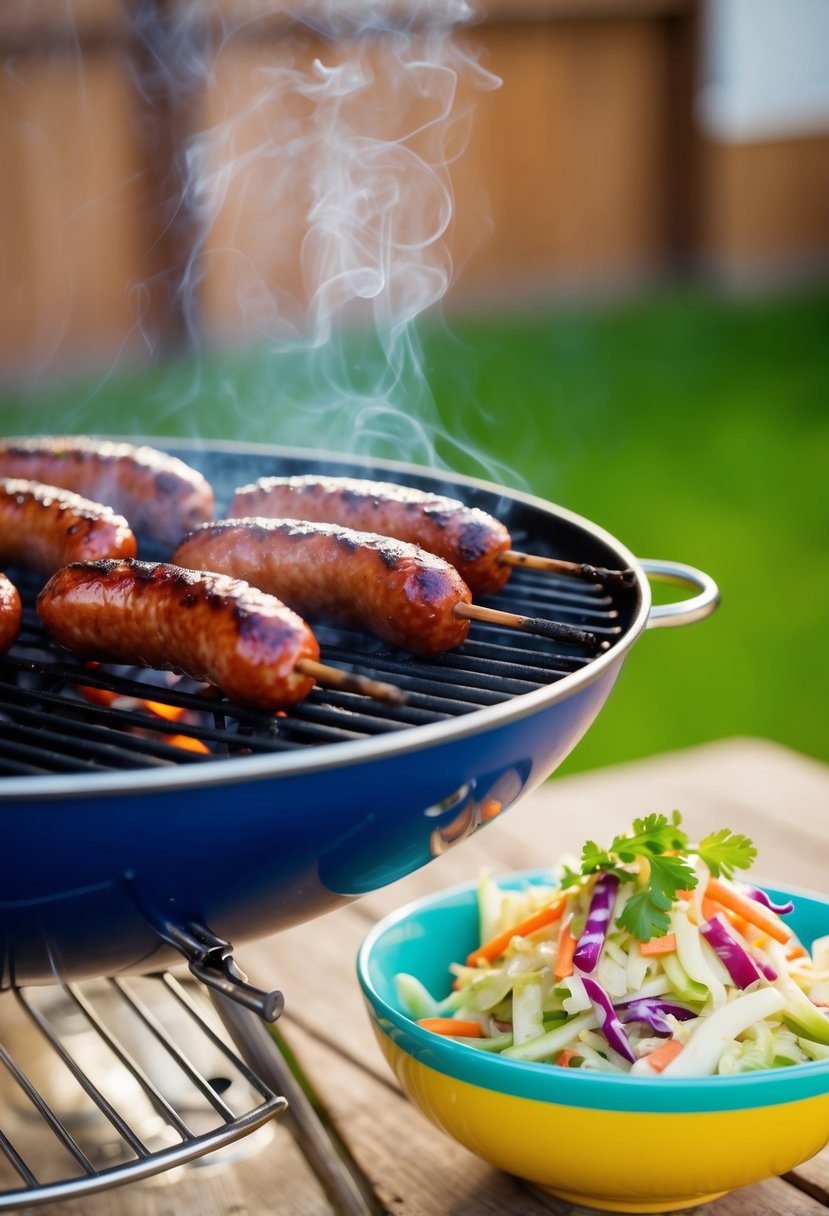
44,527
159,494
207,626
395,590
467,537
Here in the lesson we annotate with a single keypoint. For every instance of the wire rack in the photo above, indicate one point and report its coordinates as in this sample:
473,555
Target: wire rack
96,1088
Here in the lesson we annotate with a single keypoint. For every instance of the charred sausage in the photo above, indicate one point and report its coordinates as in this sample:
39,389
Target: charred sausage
465,536
206,626
44,527
398,591
159,494
11,613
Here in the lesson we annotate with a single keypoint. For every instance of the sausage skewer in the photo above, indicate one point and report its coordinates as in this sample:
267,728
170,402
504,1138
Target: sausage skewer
476,544
207,626
557,565
44,527
158,494
351,681
400,592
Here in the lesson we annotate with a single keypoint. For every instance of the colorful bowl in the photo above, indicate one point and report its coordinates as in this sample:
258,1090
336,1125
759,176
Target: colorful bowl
615,1143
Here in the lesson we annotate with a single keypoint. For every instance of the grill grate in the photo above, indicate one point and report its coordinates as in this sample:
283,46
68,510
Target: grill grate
48,726
98,1089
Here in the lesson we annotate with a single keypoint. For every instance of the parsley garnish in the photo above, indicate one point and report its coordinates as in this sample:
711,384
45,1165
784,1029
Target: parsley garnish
724,852
661,842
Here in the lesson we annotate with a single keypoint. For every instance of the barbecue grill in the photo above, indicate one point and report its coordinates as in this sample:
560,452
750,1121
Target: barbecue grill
145,818
124,849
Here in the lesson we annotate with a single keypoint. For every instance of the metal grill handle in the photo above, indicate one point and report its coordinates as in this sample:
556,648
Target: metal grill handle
684,612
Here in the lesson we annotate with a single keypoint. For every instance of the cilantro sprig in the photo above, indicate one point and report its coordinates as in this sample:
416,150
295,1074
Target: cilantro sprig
724,852
661,843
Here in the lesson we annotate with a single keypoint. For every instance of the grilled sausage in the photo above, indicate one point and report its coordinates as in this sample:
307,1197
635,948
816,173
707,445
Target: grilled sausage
465,536
206,626
399,592
159,494
11,613
44,527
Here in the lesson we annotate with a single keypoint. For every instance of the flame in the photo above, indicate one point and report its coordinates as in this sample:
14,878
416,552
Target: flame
187,743
153,709
171,713
98,696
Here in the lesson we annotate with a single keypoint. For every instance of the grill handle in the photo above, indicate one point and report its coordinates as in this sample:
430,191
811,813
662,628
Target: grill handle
684,612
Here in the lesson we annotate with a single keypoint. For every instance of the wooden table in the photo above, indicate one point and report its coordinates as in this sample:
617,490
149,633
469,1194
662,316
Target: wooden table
404,1165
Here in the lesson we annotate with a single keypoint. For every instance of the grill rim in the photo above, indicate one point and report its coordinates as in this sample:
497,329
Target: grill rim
344,755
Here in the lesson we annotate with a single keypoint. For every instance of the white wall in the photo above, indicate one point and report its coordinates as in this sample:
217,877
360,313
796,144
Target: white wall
765,69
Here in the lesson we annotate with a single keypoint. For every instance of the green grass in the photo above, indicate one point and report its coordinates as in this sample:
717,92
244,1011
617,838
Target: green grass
692,428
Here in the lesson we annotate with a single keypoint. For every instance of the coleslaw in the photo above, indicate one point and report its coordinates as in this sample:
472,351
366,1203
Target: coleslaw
648,958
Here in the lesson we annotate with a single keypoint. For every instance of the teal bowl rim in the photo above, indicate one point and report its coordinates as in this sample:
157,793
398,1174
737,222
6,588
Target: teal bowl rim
572,1087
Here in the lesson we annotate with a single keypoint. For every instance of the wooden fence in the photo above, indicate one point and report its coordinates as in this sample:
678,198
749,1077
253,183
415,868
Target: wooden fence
157,174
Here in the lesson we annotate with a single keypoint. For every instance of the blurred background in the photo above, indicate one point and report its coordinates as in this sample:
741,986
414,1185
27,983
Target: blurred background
579,247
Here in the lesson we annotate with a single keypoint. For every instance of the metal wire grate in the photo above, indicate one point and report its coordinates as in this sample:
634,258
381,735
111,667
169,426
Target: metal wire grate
98,1090
59,715
51,725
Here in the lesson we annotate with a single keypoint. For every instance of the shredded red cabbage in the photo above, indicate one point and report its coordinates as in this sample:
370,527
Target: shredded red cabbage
609,1023
738,962
598,918
766,968
767,902
654,1013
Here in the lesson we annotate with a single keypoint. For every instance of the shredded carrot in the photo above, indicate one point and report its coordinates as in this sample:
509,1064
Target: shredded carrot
659,945
686,895
796,951
496,946
664,1053
566,949
750,909
710,908
453,1027
564,1057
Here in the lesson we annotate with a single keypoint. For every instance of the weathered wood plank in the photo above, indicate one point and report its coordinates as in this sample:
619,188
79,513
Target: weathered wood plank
241,1182
813,1177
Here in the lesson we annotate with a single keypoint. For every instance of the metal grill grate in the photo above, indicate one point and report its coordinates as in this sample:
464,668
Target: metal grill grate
48,725
51,725
98,1089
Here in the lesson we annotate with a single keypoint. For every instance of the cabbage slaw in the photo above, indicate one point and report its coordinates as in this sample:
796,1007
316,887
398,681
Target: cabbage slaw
722,987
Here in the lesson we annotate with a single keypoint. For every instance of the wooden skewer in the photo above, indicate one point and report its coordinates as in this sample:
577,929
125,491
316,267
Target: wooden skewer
349,681
529,624
555,565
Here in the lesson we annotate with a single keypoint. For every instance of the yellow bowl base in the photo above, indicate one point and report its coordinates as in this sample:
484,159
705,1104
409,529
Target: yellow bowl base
624,1205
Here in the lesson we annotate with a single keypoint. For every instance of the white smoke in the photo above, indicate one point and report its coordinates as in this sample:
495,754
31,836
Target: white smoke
307,217
325,203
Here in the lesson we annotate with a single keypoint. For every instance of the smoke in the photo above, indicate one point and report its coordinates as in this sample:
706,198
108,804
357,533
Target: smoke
288,192
318,205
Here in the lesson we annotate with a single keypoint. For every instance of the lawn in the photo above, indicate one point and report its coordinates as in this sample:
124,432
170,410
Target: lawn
692,428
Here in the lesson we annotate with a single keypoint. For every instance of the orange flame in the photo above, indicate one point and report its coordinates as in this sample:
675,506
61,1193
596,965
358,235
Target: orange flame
168,713
172,713
187,743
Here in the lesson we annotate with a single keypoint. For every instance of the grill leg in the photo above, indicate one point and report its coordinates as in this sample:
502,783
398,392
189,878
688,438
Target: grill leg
347,1189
